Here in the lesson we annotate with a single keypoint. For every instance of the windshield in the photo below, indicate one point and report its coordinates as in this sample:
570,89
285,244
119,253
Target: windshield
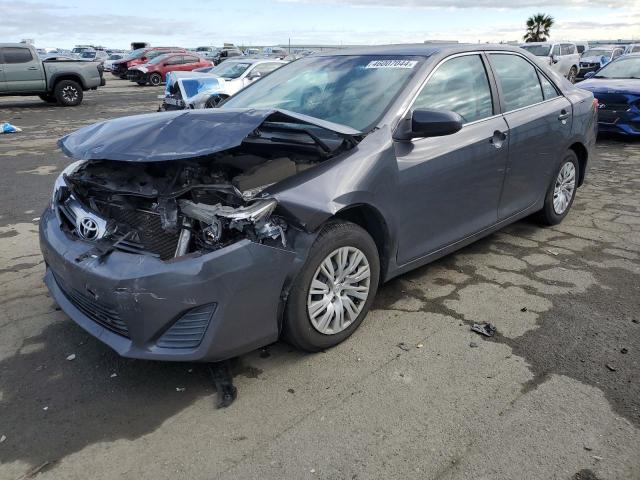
115,57
351,90
622,68
87,54
538,50
230,69
136,53
597,52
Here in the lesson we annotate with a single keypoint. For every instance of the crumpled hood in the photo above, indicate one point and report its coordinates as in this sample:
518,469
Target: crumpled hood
612,85
177,135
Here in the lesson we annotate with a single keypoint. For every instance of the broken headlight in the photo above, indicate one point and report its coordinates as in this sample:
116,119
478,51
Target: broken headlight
60,183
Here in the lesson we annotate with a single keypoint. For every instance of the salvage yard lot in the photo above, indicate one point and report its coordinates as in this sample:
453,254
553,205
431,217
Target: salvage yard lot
413,394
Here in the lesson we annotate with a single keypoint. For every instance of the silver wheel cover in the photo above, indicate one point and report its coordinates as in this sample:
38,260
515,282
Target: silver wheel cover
339,290
565,185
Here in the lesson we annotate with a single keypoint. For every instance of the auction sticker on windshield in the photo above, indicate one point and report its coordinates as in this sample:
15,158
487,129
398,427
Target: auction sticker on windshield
392,64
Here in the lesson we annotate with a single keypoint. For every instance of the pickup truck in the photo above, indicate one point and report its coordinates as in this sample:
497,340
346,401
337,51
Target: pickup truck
61,81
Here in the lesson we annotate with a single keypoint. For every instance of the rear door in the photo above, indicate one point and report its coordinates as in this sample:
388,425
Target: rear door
449,187
539,120
23,71
190,62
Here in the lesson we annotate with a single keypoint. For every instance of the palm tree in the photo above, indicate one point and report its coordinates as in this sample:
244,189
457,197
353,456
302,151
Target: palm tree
538,27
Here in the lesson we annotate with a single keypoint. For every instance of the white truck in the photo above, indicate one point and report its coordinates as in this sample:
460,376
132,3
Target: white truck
563,57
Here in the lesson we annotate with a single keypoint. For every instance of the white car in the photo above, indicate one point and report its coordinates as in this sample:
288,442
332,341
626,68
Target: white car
114,57
563,57
207,90
595,58
632,48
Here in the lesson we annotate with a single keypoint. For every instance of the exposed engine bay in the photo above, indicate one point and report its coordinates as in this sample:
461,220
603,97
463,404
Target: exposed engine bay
173,208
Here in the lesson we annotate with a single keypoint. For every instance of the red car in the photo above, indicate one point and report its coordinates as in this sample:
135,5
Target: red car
142,55
155,71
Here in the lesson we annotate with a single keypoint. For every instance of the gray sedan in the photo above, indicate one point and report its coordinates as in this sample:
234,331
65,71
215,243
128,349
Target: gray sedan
203,234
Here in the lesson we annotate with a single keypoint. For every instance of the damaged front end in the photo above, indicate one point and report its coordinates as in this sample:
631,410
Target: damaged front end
169,209
181,252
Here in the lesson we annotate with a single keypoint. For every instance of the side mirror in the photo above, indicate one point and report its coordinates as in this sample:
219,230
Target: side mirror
254,75
432,123
589,74
554,59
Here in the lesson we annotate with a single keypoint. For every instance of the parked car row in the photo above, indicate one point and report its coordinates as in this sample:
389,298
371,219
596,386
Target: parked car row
575,60
208,87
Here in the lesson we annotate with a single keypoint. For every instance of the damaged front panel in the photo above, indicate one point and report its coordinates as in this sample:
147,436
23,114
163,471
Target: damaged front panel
191,205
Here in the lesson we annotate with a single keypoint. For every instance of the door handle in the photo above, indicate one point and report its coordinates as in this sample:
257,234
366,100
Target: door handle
564,115
498,138
32,68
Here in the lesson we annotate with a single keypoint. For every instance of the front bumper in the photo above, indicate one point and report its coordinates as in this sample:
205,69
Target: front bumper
134,75
130,301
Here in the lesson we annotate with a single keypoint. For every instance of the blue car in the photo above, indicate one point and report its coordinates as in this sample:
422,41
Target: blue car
617,88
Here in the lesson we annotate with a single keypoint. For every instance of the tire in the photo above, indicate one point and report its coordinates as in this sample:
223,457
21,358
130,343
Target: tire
68,93
550,213
155,79
298,328
573,73
48,97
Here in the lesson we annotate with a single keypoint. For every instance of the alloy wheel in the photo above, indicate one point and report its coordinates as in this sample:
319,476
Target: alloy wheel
564,188
70,94
339,290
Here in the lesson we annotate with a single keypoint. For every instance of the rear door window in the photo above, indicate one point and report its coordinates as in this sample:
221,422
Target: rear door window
518,80
16,55
459,85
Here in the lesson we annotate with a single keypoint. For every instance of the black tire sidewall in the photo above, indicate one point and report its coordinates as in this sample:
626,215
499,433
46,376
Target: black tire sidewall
549,215
298,329
57,91
155,75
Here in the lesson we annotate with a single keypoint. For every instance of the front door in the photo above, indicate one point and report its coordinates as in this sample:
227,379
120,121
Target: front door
449,187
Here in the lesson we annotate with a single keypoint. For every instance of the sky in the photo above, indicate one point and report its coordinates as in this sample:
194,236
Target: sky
191,23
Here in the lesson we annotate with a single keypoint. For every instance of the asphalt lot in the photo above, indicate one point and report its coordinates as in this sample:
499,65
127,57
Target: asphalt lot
554,395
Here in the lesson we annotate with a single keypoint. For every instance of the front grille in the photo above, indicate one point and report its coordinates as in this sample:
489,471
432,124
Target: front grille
188,331
147,227
100,313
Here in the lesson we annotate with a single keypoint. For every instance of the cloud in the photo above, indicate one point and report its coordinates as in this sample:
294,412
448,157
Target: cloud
469,4
22,19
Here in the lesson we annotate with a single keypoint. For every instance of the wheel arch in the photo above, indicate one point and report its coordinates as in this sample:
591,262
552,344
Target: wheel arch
583,157
67,76
371,220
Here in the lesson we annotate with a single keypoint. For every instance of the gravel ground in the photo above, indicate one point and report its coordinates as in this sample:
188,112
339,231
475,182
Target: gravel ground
555,394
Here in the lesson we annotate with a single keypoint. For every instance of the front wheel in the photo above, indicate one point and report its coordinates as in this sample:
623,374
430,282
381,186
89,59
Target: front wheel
68,93
561,191
155,79
335,288
573,73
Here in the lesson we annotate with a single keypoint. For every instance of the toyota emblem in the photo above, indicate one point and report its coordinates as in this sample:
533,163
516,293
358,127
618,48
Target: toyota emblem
88,228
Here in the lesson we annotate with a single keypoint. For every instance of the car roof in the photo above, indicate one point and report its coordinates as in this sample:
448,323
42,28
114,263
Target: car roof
253,60
419,49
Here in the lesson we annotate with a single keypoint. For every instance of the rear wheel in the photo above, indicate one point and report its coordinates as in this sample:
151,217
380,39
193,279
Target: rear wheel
561,191
335,288
155,79
213,101
68,93
573,73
